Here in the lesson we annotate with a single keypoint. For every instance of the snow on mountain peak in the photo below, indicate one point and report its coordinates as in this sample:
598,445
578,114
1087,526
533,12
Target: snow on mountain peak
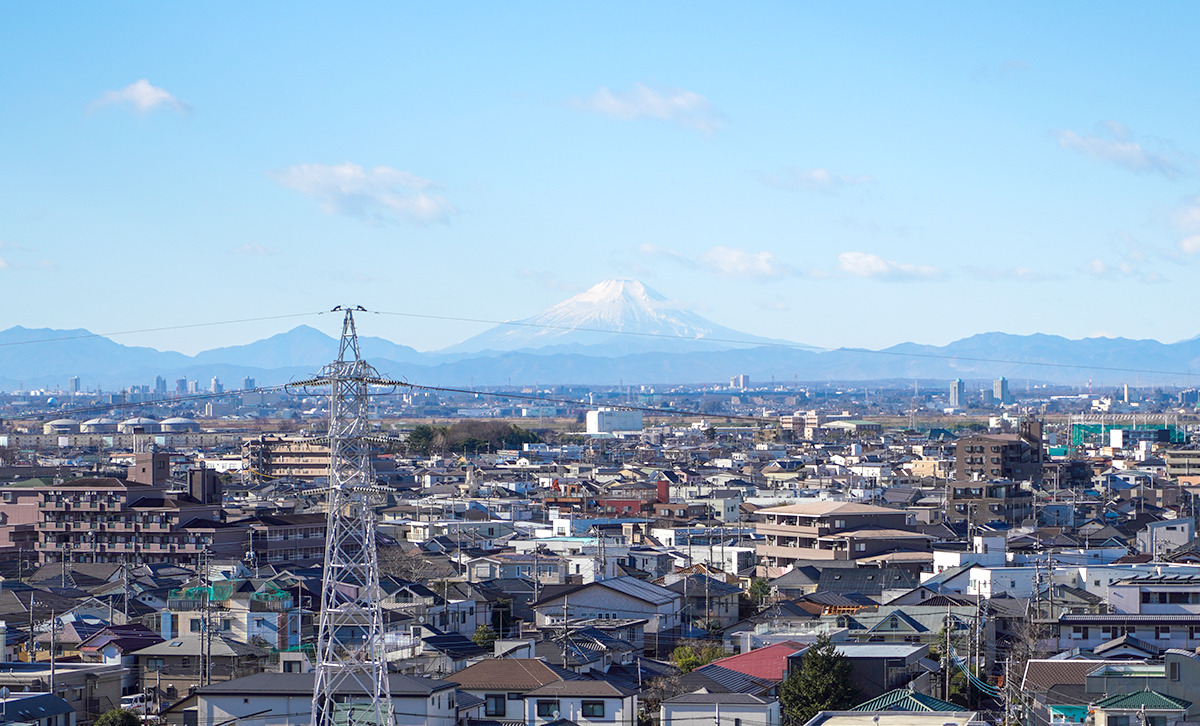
612,314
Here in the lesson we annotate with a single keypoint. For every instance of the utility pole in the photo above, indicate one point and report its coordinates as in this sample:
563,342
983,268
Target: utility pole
350,658
205,622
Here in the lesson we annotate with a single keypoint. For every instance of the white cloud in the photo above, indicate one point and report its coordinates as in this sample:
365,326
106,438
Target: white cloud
547,280
653,250
374,195
732,262
3,263
865,264
1026,274
1191,244
1124,268
819,180
1115,145
142,97
677,106
253,249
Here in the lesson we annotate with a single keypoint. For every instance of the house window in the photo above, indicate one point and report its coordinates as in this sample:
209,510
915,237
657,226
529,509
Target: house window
1118,721
1173,670
154,664
494,705
593,709
547,709
197,625
1162,631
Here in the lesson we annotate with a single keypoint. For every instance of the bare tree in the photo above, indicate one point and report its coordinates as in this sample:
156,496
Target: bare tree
410,564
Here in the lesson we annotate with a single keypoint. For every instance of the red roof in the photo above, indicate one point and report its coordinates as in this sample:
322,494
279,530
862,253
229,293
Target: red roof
769,663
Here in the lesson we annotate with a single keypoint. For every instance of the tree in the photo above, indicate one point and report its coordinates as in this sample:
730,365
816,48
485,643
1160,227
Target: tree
688,658
760,591
410,564
119,717
821,683
653,694
484,636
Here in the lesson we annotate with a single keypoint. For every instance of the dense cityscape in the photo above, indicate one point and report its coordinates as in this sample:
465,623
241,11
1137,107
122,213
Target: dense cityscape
396,363
778,554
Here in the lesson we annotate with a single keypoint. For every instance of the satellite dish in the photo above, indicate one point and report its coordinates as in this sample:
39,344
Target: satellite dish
555,714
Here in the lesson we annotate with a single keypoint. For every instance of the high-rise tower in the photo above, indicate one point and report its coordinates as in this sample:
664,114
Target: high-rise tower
351,685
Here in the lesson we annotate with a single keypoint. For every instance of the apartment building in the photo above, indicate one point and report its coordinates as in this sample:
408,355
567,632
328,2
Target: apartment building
113,520
998,502
289,457
1001,456
832,531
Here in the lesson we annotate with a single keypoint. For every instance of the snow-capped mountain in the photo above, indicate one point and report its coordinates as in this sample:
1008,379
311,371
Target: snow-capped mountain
614,317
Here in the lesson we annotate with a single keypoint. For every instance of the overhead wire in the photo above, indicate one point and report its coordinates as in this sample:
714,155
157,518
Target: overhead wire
785,344
163,328
627,333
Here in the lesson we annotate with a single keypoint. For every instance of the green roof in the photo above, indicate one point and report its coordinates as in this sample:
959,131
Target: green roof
902,699
1150,700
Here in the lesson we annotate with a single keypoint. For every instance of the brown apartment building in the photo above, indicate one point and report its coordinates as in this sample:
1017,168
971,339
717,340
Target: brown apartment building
832,531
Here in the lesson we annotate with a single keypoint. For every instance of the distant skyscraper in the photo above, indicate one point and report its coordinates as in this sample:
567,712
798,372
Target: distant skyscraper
192,386
1000,391
958,393
216,386
73,384
247,383
740,381
160,385
181,385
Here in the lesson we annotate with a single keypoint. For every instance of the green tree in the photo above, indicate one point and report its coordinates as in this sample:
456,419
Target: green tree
421,439
484,636
119,717
760,591
688,658
821,683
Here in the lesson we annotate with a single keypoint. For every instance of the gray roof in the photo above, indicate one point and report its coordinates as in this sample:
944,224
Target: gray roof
729,698
302,684
190,645
581,688
653,594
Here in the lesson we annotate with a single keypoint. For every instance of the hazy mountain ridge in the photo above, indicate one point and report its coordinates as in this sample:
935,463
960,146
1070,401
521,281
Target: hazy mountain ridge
618,330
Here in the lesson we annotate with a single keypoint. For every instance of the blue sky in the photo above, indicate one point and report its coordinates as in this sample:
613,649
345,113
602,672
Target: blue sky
839,174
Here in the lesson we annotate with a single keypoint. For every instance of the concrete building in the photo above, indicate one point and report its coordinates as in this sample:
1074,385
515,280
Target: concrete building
958,393
609,420
822,530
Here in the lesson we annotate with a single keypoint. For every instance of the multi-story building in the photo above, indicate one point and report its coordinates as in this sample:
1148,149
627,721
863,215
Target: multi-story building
113,520
290,538
958,393
832,531
989,503
1001,456
289,457
1000,391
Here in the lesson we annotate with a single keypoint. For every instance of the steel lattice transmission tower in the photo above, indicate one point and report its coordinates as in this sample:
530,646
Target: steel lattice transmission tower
351,664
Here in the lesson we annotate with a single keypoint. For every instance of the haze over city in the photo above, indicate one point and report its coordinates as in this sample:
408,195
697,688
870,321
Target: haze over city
837,175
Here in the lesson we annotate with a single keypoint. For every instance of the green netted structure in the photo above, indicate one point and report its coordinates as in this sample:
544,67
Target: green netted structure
1083,434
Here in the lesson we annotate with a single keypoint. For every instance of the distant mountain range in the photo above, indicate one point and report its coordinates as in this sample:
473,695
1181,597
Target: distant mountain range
617,331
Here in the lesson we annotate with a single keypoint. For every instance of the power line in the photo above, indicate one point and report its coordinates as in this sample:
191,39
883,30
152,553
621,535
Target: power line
184,326
788,345
668,336
586,404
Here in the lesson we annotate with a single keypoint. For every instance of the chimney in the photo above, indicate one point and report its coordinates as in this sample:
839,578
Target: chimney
3,642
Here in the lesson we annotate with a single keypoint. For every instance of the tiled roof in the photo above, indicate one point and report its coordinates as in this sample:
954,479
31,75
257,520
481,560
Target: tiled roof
507,674
902,699
1150,700
769,663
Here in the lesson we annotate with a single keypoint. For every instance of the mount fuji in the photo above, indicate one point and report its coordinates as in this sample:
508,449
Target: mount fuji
611,318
